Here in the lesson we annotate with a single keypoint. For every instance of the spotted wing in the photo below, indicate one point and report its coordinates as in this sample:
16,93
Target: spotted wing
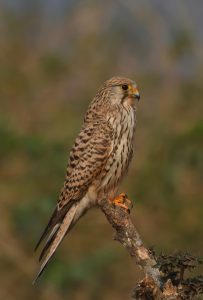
87,159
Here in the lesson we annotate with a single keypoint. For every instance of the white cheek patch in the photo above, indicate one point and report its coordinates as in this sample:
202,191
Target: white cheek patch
116,96
128,102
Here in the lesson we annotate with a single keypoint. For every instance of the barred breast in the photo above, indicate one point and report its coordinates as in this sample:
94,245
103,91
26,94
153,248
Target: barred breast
118,162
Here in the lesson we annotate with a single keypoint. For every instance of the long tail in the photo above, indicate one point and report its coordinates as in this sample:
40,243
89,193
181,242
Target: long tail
55,238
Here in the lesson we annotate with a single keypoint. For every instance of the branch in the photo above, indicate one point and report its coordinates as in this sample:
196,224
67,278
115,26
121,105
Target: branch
127,235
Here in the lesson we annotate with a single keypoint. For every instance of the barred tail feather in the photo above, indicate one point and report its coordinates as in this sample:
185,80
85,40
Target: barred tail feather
46,230
56,238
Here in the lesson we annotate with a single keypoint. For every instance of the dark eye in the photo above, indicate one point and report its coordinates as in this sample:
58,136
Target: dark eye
125,87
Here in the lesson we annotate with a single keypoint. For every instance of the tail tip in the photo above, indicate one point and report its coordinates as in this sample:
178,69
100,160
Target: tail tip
34,281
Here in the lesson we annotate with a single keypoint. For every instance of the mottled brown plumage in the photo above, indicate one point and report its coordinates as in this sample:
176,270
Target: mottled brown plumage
98,160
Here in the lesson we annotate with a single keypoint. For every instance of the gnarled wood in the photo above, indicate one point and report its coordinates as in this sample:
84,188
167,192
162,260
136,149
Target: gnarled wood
128,236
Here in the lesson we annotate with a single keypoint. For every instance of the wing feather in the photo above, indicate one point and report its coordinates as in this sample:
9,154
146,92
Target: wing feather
87,159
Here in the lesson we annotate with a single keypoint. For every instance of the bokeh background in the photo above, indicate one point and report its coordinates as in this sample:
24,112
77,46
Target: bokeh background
54,55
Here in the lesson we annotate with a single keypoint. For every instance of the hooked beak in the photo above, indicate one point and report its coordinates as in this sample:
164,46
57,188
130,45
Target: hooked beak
134,92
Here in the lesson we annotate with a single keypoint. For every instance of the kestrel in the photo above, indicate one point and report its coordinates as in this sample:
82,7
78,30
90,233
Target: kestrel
98,160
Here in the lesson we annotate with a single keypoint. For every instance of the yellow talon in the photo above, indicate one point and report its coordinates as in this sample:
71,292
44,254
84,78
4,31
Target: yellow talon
123,201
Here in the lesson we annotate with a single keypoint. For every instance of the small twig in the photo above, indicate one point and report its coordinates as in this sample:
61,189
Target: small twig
127,235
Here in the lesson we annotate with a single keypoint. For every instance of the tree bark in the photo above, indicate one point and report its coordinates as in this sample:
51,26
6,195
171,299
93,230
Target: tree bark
128,236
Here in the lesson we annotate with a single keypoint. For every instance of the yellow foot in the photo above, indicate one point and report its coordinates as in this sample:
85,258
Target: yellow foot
123,201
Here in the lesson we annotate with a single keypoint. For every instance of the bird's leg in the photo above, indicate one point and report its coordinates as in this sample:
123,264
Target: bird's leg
122,201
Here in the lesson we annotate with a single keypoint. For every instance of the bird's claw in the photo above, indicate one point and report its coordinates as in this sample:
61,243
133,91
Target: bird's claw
123,201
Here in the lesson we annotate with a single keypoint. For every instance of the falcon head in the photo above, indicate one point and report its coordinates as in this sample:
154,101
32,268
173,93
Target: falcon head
119,92
121,88
116,93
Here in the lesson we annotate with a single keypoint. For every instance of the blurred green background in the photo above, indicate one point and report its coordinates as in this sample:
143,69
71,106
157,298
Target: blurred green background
53,57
